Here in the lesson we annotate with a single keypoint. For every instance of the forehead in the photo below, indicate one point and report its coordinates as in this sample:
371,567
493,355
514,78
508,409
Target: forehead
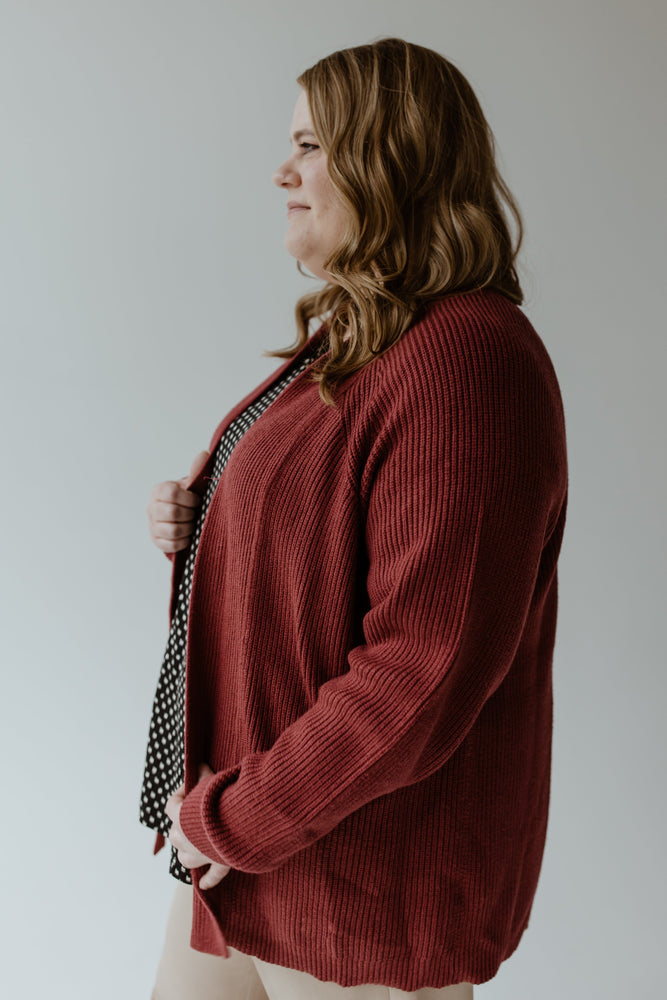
301,118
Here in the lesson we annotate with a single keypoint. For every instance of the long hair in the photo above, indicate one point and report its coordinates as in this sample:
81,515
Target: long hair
412,157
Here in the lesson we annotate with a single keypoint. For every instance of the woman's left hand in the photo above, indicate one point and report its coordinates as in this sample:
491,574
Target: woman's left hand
188,854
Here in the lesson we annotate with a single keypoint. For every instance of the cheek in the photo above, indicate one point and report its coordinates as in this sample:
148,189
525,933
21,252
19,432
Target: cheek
331,208
321,187
337,219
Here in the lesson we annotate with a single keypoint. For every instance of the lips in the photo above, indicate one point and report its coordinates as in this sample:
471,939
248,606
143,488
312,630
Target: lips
293,206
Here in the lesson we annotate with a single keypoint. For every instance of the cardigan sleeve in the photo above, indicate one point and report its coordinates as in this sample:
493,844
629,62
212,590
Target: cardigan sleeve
464,484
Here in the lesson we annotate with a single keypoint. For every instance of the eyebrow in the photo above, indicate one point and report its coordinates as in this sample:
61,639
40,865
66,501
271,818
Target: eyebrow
297,135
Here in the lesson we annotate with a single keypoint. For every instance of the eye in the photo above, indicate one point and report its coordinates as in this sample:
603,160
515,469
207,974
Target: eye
308,145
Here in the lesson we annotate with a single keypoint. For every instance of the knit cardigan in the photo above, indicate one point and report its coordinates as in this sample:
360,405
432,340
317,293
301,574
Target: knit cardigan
369,658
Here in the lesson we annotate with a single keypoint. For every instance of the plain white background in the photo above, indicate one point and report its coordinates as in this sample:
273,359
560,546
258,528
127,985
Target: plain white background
142,273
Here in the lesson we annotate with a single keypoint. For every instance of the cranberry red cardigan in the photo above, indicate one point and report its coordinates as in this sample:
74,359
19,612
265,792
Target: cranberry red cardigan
369,668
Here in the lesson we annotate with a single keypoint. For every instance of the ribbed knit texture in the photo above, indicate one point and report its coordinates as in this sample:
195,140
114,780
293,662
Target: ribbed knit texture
370,643
163,770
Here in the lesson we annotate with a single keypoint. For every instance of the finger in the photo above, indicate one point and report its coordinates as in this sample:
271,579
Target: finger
172,492
173,807
175,546
204,771
171,531
213,876
191,858
188,854
177,838
198,464
165,510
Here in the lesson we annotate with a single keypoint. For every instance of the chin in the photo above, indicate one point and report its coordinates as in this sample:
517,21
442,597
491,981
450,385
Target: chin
293,248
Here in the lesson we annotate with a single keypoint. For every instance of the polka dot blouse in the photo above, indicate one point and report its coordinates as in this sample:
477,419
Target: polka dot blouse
164,767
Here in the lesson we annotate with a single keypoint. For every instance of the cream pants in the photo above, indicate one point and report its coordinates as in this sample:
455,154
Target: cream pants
186,974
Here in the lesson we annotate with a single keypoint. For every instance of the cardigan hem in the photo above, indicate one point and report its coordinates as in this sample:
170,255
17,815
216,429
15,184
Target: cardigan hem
408,973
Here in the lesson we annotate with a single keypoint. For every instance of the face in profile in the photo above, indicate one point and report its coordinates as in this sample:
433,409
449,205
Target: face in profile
316,217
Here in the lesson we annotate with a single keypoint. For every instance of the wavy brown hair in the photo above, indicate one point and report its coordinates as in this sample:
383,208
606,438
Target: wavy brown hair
412,157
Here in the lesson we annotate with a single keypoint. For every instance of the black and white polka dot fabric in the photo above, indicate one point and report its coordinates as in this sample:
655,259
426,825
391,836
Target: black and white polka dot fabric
164,767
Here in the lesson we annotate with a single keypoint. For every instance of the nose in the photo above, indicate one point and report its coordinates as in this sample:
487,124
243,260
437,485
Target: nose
285,175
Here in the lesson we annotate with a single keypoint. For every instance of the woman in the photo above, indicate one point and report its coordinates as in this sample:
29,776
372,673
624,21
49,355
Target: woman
358,805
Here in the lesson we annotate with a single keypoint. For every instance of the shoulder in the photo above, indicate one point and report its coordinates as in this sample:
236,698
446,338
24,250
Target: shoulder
471,330
465,344
469,387
470,378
